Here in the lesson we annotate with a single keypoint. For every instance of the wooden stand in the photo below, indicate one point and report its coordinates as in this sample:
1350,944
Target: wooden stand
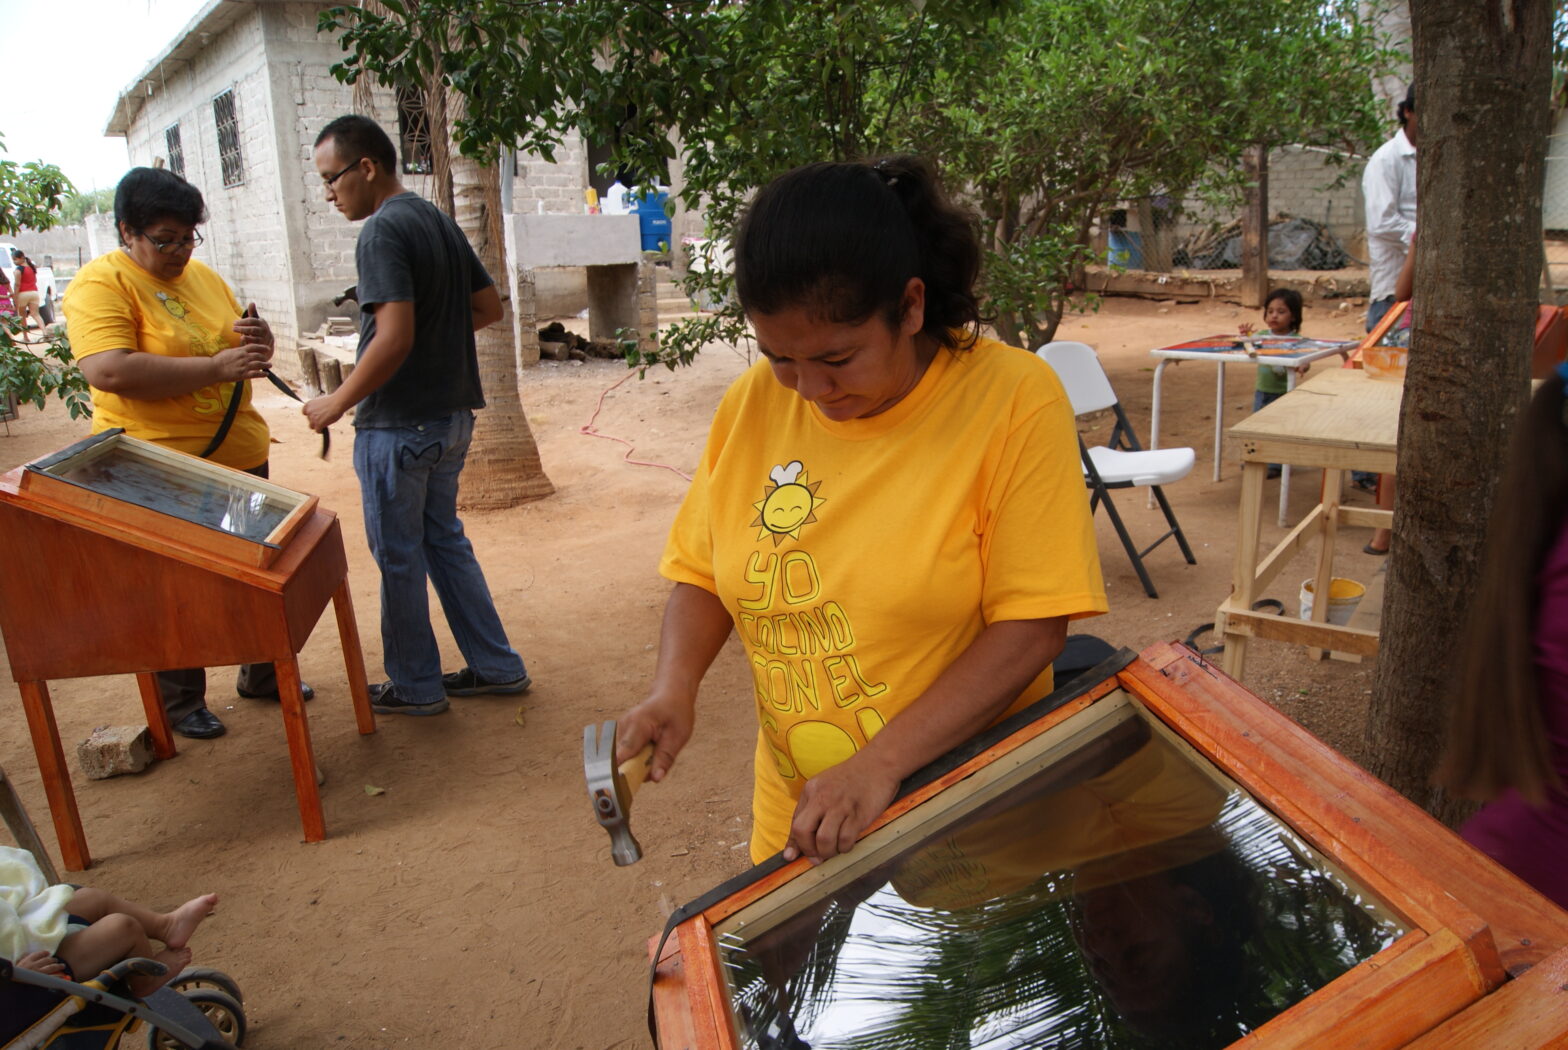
96,586
1341,420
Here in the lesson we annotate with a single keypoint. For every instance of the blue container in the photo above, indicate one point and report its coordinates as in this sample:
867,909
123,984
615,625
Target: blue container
653,223
1125,249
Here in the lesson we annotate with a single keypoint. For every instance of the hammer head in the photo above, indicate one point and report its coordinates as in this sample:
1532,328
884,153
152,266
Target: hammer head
607,788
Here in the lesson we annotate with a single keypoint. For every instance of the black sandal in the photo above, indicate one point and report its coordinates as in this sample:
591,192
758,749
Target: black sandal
1191,641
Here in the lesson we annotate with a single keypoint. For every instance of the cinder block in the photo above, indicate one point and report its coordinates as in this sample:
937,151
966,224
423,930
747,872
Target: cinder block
113,750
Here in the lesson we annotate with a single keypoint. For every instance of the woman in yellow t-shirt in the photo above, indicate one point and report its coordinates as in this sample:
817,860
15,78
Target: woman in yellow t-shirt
890,509
163,344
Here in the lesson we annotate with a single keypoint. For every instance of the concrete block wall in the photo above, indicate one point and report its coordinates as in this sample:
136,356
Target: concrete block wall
540,186
61,243
647,306
1302,182
273,236
311,98
244,235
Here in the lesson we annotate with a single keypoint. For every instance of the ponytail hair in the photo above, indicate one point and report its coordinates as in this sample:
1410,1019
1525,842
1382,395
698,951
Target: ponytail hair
842,240
1497,736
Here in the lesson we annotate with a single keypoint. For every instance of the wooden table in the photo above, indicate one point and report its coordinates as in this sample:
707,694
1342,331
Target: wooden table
97,586
1341,420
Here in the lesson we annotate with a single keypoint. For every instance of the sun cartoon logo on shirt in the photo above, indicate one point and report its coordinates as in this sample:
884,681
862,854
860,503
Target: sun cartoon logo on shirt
788,503
173,305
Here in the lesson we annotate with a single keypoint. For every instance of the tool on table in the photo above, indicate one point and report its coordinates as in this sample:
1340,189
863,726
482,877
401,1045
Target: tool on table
612,787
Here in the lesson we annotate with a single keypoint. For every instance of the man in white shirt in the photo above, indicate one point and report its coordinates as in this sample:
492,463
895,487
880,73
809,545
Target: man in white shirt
1389,188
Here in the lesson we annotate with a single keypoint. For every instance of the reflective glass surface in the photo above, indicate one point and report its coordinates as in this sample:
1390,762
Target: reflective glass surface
227,503
1124,895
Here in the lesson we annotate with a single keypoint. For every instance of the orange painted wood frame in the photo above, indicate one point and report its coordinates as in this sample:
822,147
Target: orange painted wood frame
88,594
1485,955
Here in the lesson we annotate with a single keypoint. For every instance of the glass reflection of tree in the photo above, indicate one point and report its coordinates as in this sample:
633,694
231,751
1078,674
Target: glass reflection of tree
1208,949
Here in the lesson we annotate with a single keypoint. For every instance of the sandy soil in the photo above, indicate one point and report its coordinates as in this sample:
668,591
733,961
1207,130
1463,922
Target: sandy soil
473,903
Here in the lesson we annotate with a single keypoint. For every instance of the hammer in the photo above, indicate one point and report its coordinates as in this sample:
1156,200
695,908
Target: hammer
611,788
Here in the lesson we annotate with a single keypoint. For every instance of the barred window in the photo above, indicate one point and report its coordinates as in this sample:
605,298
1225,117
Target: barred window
171,142
413,131
229,158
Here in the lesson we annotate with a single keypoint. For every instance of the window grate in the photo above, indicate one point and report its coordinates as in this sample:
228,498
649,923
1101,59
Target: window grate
171,142
413,131
229,158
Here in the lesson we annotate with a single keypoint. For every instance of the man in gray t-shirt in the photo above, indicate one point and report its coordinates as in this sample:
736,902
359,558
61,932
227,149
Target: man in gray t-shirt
422,295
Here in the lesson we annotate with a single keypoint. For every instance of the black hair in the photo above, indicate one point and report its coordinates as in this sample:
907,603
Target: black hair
146,195
1407,107
842,240
357,136
1292,300
1497,735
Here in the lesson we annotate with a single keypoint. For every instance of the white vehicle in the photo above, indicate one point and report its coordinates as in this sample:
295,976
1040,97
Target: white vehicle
47,305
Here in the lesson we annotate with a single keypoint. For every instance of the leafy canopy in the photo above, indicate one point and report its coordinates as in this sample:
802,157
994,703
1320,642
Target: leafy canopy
1044,112
30,197
30,194
78,206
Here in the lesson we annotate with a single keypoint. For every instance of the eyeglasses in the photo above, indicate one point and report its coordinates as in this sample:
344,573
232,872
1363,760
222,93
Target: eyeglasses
172,245
342,173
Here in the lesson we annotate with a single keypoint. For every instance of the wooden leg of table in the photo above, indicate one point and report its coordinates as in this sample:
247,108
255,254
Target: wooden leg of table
1322,582
1244,575
301,758
353,658
57,779
157,717
22,830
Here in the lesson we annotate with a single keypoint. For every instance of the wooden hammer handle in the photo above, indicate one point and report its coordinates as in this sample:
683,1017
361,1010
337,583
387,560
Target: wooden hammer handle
635,769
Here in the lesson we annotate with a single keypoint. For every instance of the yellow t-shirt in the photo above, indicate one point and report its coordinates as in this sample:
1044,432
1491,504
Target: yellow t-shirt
860,558
113,304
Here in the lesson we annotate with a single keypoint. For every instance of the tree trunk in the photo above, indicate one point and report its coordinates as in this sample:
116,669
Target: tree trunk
1483,80
1255,228
503,463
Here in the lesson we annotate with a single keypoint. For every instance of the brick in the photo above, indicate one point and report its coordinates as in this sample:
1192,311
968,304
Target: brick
114,750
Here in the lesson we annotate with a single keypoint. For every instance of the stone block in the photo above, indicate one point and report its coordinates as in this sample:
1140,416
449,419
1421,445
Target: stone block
113,750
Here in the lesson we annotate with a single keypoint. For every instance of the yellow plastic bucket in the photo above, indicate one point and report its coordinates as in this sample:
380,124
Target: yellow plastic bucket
1343,597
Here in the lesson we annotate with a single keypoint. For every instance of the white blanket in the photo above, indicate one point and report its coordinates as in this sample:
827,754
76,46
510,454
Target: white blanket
32,912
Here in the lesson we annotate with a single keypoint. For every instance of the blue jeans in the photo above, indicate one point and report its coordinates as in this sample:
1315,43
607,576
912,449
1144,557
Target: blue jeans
408,489
1376,309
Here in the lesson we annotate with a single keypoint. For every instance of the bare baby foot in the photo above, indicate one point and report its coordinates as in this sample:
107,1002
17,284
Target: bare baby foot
182,921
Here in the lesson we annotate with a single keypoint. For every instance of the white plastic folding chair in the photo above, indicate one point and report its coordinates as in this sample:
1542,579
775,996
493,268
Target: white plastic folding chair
1121,463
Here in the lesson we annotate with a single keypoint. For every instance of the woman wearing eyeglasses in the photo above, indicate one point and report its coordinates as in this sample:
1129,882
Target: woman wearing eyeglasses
163,343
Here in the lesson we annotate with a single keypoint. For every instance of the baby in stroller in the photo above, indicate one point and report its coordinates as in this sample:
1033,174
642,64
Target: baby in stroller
78,969
67,931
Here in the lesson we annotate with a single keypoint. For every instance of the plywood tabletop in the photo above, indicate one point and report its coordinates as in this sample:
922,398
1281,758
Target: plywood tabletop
1343,407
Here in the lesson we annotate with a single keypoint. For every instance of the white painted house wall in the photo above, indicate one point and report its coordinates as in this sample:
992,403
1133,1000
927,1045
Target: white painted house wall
273,236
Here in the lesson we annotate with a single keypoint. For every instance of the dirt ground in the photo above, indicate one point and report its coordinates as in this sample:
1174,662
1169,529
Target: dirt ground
473,903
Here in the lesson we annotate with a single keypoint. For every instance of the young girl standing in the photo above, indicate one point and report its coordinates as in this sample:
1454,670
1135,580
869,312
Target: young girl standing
1282,316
